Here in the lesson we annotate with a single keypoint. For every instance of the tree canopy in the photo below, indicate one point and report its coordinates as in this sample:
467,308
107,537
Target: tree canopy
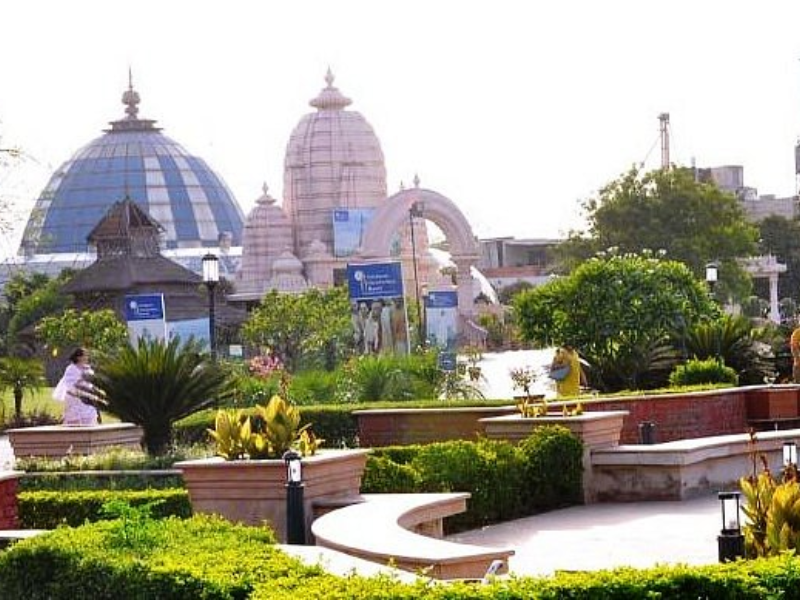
96,329
668,211
301,328
616,310
781,238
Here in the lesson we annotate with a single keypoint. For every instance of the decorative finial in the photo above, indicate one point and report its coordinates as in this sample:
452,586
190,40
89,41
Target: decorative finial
402,185
416,180
330,98
265,198
130,98
329,77
265,189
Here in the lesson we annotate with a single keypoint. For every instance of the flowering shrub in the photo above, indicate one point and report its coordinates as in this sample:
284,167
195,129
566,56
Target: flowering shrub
265,365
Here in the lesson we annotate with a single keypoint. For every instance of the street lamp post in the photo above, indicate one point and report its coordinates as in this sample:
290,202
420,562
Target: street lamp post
712,274
416,211
211,279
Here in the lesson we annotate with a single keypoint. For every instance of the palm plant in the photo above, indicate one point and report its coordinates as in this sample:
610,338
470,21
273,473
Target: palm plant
21,375
735,341
155,384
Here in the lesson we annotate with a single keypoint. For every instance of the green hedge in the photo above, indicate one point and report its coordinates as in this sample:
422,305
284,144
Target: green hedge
208,558
49,509
505,481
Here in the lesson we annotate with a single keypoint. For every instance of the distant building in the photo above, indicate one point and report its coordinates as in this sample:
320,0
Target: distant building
730,178
506,260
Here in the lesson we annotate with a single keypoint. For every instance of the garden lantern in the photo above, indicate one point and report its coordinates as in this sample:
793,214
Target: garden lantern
789,454
730,539
295,510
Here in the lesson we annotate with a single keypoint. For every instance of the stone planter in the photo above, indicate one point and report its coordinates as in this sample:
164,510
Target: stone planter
56,441
595,429
253,491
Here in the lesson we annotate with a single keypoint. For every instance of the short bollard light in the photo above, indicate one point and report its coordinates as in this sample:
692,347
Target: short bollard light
789,454
295,511
730,539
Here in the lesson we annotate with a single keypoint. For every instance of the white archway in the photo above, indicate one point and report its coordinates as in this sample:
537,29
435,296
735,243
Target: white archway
430,205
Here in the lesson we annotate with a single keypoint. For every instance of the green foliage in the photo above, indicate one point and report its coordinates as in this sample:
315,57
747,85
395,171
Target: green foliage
507,293
21,375
780,237
618,311
697,371
269,433
312,328
313,387
505,481
96,329
734,340
48,509
154,385
669,211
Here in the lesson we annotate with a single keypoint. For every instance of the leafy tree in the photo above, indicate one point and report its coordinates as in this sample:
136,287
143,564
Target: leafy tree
25,297
21,375
302,328
507,293
100,330
781,238
617,310
154,385
668,211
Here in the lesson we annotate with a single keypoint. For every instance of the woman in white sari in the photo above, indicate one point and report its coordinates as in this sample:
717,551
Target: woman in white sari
68,389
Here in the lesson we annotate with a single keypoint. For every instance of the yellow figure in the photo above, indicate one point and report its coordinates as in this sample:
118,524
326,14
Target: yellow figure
794,344
570,384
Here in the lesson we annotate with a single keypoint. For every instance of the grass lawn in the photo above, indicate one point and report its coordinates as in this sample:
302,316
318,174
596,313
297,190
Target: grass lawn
38,402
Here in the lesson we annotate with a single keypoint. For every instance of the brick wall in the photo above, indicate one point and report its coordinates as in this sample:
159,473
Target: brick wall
8,499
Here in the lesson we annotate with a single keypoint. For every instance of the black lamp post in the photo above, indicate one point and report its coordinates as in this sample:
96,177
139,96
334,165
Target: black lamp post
211,279
730,540
712,274
416,211
295,511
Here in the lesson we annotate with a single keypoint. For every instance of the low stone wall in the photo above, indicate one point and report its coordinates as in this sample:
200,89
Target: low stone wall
682,469
55,441
8,499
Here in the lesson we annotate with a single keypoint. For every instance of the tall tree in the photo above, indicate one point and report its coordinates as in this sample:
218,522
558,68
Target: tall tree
669,212
303,327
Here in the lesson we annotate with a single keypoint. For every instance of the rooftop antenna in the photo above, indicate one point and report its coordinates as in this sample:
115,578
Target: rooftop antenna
663,119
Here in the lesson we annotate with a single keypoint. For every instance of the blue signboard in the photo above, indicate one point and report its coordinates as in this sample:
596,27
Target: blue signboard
349,225
144,307
447,361
443,299
375,280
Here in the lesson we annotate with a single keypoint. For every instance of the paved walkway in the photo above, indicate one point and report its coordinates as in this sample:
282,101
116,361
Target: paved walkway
601,536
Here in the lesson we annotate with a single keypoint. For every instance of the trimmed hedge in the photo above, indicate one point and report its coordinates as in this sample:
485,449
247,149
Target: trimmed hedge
49,509
208,558
505,481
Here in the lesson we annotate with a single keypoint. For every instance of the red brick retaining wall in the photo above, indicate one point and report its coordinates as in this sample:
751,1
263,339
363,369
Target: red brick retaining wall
8,500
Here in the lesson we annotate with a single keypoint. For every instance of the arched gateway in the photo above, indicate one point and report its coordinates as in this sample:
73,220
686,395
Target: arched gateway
394,214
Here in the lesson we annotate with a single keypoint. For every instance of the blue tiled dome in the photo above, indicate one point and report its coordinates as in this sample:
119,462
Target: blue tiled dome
133,159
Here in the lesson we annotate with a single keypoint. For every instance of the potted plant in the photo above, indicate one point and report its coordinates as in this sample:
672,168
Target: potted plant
246,481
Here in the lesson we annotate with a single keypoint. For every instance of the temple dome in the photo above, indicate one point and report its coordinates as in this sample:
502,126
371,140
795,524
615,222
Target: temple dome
267,232
333,160
287,274
133,159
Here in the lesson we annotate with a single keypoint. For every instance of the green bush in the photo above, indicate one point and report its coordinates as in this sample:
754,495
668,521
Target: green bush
212,559
49,509
116,480
313,387
504,481
696,371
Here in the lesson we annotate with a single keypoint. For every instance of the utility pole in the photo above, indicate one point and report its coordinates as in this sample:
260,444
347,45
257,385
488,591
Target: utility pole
664,129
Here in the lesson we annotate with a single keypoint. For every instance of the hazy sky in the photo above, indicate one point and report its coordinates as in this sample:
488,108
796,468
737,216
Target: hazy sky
515,110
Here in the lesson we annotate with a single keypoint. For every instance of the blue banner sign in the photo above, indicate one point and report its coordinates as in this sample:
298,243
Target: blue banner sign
144,307
444,299
375,280
447,361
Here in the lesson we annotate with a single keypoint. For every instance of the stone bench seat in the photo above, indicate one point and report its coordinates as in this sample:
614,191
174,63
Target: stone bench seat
395,529
682,469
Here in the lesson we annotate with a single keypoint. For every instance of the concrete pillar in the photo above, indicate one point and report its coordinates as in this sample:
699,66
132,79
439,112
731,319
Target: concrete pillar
774,311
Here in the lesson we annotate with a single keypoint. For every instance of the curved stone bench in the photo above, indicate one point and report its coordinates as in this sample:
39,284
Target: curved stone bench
387,529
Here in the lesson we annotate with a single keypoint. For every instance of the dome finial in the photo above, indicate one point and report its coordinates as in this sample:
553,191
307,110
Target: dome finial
130,98
330,98
329,77
416,180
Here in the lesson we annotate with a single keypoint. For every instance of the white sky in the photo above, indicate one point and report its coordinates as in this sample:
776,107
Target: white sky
515,110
